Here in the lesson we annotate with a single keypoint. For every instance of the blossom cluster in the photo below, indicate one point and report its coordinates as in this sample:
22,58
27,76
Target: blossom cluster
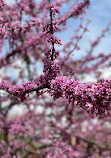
96,94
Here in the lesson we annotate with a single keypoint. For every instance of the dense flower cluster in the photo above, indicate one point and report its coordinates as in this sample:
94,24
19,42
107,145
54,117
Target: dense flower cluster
96,94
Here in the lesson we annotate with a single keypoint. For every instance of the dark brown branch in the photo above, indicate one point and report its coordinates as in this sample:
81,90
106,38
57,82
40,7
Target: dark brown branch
30,90
52,32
